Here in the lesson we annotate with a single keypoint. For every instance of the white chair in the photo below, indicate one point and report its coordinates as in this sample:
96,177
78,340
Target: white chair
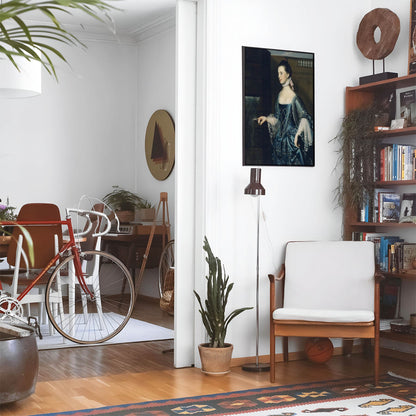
330,289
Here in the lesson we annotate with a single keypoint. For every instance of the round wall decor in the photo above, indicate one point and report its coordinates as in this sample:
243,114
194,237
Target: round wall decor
160,144
389,25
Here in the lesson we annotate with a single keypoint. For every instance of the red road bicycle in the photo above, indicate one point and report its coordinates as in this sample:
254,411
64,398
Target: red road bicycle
89,295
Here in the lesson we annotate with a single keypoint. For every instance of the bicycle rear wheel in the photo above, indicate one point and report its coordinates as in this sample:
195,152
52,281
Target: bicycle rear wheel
166,262
84,319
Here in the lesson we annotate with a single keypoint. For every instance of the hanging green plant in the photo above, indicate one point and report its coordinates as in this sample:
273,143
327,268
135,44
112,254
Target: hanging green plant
358,157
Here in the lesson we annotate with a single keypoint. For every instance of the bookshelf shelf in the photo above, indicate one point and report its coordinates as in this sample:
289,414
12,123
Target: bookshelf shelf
381,184
408,338
408,131
361,97
383,224
410,275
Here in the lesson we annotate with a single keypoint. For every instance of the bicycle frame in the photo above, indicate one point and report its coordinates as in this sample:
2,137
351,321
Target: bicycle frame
70,245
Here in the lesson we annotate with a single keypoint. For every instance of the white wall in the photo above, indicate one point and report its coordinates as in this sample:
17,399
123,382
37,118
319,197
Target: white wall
78,136
299,201
97,114
156,91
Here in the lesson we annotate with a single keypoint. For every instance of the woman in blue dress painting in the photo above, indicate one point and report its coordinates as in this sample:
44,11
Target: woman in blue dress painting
290,126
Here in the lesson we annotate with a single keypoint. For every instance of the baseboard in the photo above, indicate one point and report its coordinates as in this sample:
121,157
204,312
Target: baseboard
405,356
293,356
148,298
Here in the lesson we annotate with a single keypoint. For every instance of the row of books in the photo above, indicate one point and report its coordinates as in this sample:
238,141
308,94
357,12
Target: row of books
392,253
388,206
397,162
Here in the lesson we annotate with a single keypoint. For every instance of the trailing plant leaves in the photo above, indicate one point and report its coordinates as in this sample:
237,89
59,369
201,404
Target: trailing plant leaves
358,156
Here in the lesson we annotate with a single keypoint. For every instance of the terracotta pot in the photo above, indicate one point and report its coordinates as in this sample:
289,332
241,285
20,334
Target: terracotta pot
215,361
4,244
145,214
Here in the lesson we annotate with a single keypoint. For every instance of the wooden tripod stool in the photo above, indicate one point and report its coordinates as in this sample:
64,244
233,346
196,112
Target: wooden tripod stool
165,233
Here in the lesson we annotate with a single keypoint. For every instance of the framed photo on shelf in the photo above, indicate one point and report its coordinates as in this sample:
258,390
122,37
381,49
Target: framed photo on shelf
406,105
278,107
412,38
408,208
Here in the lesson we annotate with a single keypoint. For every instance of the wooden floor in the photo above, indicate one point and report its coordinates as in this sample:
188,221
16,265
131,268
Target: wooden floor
88,377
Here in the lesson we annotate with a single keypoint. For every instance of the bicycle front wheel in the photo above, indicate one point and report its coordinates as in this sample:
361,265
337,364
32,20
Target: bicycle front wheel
98,312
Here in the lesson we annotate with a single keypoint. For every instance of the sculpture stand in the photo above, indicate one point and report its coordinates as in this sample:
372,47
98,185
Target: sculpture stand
378,77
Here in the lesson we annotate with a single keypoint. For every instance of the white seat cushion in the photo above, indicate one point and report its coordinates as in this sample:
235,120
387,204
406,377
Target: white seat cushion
323,315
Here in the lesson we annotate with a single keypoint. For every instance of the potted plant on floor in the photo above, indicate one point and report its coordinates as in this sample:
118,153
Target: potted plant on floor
123,202
216,354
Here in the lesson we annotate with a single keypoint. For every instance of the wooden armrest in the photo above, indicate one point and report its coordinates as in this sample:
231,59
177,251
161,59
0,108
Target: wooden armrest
280,275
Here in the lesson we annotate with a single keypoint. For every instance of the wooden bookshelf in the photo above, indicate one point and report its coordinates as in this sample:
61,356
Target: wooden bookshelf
360,97
396,336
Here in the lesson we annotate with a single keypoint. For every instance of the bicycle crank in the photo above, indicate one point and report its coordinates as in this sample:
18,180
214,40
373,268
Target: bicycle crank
10,307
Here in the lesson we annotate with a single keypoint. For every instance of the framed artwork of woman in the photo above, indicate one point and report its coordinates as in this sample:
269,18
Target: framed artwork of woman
278,107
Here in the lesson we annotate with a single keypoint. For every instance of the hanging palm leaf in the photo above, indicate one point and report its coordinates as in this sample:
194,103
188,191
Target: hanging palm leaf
33,41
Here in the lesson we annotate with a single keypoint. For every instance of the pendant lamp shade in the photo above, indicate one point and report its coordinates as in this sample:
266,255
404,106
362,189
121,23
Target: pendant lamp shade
22,83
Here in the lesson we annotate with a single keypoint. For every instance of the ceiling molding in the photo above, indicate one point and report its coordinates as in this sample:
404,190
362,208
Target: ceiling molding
154,28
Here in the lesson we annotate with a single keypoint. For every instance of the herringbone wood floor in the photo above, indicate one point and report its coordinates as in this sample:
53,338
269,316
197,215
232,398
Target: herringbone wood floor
79,378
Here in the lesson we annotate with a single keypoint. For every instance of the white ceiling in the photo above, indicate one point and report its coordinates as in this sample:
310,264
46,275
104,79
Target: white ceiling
132,17
138,14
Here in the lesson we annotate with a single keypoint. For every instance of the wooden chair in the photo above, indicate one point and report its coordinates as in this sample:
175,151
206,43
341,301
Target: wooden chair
46,241
330,289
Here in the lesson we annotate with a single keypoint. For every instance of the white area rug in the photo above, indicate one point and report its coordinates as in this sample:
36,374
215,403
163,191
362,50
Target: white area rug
134,331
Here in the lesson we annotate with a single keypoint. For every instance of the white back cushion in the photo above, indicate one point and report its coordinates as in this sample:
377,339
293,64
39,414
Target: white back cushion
335,275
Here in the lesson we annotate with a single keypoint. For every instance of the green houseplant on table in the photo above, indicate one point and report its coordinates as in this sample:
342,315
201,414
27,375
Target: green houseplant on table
216,355
125,203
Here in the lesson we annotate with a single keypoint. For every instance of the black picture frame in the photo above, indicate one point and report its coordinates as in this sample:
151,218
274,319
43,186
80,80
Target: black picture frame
262,146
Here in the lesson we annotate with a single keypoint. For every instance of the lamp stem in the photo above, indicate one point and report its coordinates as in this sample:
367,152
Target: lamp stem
257,283
257,366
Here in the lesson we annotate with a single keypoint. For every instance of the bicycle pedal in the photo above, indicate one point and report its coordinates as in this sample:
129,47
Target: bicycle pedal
35,325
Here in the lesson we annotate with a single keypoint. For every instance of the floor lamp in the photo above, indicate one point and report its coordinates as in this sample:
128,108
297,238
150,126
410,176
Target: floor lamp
256,189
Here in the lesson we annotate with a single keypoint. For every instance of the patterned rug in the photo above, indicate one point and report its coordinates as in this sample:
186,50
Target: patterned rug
349,397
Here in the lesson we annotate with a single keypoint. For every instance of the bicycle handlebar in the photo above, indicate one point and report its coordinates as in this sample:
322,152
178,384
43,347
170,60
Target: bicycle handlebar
87,214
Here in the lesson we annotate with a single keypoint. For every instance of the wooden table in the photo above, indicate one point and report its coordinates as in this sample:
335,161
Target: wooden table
131,248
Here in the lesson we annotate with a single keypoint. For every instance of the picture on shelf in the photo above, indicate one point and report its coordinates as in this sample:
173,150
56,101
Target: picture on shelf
386,109
408,208
409,255
389,207
406,105
278,107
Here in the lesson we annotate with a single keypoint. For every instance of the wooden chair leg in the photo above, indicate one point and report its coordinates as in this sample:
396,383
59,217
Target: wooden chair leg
376,359
272,355
285,349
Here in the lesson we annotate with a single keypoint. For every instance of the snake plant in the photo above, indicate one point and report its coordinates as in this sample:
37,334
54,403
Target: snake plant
218,289
34,41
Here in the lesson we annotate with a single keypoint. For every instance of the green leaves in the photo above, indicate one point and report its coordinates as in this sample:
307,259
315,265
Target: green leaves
357,155
33,41
213,309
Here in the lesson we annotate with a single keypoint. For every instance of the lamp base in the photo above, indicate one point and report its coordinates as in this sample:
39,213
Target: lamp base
254,367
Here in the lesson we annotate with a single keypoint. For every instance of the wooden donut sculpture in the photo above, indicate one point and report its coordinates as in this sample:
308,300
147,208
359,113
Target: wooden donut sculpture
389,25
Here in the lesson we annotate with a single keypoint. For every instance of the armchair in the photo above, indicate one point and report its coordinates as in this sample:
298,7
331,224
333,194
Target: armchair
330,289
